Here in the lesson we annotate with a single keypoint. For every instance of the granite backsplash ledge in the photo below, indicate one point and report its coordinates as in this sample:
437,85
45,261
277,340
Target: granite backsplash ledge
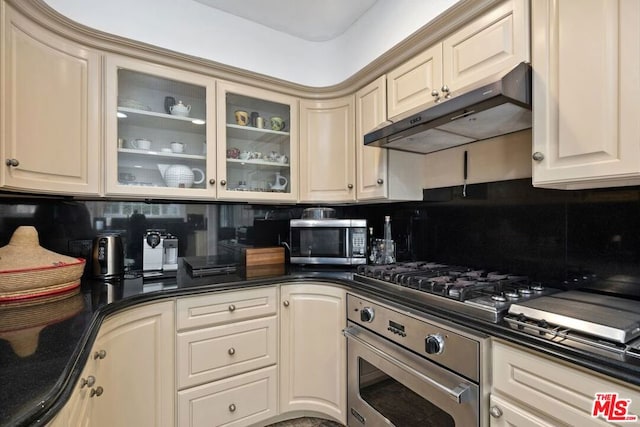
508,226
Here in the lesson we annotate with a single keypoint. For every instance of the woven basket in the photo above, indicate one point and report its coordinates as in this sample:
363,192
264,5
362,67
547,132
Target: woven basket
26,267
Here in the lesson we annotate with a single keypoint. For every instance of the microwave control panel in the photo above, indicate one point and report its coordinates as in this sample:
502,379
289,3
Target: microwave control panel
359,242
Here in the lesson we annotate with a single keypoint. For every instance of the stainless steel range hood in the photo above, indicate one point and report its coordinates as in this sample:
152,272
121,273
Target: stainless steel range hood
494,109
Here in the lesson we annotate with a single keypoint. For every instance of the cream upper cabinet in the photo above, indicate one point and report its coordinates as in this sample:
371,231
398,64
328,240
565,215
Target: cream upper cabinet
371,111
484,49
487,47
410,85
327,150
160,131
382,174
313,350
257,144
129,376
586,81
529,389
50,102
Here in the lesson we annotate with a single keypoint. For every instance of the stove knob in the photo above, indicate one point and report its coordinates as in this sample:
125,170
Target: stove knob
434,344
367,314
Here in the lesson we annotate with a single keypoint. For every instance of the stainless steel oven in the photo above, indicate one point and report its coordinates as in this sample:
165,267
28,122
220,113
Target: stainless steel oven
328,241
404,370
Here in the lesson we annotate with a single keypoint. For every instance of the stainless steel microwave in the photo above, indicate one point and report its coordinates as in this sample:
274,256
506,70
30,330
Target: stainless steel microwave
328,241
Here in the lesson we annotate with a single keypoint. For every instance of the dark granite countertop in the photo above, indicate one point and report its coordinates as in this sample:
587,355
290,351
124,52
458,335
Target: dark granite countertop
43,349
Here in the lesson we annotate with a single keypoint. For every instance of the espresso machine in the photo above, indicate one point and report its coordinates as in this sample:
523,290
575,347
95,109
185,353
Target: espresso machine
160,251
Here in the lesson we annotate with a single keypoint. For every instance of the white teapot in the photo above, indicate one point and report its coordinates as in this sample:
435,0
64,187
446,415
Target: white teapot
280,183
180,109
180,176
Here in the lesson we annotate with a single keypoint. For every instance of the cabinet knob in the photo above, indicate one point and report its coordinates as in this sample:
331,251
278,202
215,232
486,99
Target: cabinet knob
212,181
538,156
350,186
12,162
435,93
285,303
99,354
495,412
232,307
231,351
96,392
88,382
380,181
232,408
223,182
446,91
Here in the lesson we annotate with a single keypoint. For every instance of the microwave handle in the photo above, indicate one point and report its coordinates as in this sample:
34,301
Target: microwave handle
347,242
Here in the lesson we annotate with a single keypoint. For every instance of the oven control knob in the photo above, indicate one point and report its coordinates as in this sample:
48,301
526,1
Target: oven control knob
434,344
367,314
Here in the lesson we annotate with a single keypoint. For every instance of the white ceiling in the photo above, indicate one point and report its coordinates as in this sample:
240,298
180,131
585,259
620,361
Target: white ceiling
365,30
311,20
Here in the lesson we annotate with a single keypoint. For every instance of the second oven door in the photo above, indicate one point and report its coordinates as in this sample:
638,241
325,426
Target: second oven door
391,386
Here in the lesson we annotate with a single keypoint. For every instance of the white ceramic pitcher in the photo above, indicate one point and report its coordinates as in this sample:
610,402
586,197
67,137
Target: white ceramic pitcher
180,176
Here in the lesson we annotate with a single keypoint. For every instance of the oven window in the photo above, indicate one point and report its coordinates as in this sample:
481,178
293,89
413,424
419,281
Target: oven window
318,242
397,403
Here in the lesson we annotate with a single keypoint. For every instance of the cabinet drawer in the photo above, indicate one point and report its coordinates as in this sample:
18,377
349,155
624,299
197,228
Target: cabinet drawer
554,388
233,402
214,353
216,308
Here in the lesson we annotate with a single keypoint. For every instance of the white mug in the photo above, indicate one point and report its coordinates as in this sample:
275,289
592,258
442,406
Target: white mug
141,144
177,147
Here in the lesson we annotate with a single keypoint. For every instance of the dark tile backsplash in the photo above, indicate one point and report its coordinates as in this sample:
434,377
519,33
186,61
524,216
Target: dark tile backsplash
508,226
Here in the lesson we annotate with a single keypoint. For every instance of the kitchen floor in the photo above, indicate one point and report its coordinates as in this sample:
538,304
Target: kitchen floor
306,422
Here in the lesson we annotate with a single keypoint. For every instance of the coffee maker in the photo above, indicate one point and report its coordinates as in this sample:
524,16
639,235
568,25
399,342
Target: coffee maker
160,251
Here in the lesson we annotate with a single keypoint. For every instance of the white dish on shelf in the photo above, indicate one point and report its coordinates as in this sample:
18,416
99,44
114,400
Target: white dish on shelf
166,150
132,103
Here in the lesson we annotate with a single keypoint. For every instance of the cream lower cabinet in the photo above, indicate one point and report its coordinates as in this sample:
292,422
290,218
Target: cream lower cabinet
382,174
227,358
327,150
129,376
50,102
529,389
313,350
484,49
586,81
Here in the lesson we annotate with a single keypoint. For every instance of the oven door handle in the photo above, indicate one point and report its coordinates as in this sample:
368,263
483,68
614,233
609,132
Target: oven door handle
459,394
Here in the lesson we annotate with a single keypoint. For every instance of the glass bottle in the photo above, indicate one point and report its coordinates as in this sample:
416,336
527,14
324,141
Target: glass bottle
389,244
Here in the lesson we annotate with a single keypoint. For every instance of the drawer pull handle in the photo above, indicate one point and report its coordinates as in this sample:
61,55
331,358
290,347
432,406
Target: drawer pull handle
232,307
232,408
89,382
231,351
96,391
285,303
100,354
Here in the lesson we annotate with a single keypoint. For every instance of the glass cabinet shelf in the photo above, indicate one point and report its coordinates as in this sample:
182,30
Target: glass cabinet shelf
258,162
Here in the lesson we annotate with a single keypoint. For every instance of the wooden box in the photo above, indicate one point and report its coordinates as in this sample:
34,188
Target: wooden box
263,256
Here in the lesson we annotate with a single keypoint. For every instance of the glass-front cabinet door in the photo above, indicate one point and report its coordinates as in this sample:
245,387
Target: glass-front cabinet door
257,144
160,131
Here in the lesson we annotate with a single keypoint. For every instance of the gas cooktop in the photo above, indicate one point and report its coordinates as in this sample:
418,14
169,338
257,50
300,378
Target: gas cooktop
480,293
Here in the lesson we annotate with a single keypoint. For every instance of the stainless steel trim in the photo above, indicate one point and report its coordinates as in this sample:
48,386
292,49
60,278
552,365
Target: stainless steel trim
347,243
327,260
459,394
327,223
